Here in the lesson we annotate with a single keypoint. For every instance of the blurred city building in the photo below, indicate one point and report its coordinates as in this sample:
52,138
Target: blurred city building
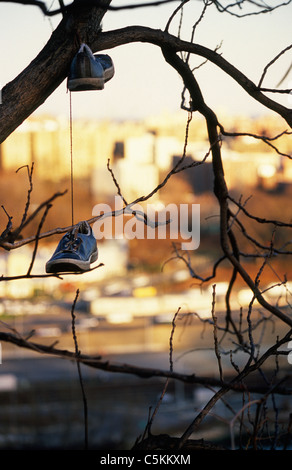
139,152
140,155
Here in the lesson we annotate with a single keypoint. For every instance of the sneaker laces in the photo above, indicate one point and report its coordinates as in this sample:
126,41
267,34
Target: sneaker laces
74,242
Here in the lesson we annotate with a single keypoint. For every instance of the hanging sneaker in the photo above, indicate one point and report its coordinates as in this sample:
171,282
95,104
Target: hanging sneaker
85,72
75,251
88,71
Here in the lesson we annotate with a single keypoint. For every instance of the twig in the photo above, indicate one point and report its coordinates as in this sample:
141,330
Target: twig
77,353
235,417
151,419
271,63
217,352
37,238
171,340
24,216
260,220
267,140
178,8
8,226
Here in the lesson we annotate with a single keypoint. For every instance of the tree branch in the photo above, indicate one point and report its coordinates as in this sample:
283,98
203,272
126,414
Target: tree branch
31,88
97,362
108,40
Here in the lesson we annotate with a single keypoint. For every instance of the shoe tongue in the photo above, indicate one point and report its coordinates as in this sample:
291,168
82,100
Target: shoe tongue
83,228
86,50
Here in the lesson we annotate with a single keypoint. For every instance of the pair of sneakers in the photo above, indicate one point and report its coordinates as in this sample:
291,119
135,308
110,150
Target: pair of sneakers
77,249
89,71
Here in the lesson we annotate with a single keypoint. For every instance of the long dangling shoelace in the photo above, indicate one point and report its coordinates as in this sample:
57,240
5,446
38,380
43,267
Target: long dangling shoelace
71,159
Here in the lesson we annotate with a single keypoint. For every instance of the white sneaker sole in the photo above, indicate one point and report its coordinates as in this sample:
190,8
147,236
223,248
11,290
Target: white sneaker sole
83,84
70,265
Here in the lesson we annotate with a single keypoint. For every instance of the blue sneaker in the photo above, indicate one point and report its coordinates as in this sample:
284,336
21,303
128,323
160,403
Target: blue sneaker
75,251
88,71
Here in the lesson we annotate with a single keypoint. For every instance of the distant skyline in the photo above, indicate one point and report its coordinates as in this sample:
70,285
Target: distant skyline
144,84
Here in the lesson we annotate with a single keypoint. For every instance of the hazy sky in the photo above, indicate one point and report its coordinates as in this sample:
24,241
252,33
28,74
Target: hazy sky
143,83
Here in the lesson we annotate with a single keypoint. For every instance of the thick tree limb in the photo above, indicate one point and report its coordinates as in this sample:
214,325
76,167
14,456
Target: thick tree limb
46,72
160,38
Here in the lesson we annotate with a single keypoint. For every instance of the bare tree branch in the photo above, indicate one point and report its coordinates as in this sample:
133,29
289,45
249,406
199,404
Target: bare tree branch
97,362
62,47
